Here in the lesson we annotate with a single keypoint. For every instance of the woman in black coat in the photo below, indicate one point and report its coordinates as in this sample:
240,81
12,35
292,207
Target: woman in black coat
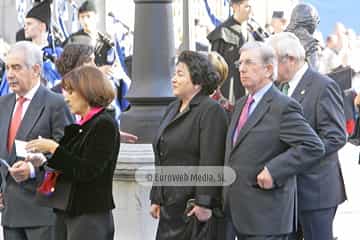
85,158
192,134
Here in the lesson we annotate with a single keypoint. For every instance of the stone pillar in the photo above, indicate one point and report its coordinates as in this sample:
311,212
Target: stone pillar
188,27
101,12
150,93
132,218
8,20
152,67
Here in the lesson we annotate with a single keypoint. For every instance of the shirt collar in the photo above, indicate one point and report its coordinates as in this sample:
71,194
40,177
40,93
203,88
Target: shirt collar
93,111
261,92
30,94
297,77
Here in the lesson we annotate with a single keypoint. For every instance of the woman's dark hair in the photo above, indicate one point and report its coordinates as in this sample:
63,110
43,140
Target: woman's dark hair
73,56
91,84
201,71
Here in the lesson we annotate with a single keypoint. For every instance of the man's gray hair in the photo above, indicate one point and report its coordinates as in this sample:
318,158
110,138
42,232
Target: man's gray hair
32,53
287,44
267,54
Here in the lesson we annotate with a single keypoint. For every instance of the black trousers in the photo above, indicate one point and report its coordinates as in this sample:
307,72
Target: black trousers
92,226
29,233
231,233
248,237
317,224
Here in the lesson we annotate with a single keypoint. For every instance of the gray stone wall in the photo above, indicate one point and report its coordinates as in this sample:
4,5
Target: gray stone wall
8,20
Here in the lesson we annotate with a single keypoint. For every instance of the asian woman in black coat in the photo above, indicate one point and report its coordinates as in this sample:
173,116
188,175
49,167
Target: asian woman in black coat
85,158
192,134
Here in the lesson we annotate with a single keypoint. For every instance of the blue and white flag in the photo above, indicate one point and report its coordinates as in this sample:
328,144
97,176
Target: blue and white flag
21,11
120,77
50,74
62,15
214,20
74,18
4,86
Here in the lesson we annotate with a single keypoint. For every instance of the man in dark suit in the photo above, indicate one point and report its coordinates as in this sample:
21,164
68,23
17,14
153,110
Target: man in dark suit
31,111
320,188
267,144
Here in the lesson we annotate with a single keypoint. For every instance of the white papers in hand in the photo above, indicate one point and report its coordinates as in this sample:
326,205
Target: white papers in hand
20,148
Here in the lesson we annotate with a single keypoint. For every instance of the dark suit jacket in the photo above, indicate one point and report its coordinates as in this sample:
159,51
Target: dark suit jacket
46,116
277,136
87,158
322,186
195,137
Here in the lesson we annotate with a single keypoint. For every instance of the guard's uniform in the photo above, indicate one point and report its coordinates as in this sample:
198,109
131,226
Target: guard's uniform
227,39
103,46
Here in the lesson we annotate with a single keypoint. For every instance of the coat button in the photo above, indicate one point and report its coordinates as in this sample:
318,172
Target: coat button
161,154
80,130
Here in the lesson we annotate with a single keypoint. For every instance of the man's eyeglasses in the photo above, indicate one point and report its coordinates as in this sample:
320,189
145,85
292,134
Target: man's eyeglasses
246,62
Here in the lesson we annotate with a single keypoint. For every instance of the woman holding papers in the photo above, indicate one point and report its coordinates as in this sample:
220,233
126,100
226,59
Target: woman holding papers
85,158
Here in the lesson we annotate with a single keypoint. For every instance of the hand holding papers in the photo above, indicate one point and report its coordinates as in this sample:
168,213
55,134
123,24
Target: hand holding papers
22,151
42,145
23,170
20,171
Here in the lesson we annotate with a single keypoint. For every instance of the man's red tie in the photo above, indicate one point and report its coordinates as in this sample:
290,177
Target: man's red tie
15,122
243,117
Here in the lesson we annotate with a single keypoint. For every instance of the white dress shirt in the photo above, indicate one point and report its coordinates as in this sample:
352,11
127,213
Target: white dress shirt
296,79
28,96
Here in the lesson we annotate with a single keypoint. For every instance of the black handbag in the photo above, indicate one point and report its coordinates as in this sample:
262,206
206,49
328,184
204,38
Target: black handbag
196,229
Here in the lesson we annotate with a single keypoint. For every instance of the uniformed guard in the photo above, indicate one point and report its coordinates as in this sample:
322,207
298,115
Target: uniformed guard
103,45
37,28
227,39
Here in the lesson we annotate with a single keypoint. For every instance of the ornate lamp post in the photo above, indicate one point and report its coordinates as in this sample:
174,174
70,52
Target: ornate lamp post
150,92
152,68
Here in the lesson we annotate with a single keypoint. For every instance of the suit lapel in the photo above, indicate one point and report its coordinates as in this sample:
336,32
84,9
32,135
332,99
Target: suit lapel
256,116
33,113
7,108
179,115
173,116
234,121
167,120
302,87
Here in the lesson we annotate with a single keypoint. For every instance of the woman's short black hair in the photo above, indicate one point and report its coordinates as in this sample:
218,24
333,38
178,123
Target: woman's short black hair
201,71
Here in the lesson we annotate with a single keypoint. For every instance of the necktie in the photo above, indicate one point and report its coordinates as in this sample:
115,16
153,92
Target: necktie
243,117
285,88
15,122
